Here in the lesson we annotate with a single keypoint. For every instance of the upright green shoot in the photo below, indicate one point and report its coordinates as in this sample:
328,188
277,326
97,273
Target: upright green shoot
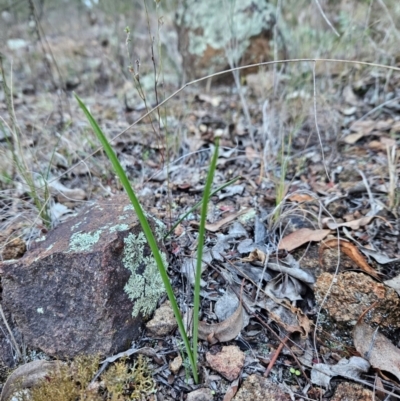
206,196
191,350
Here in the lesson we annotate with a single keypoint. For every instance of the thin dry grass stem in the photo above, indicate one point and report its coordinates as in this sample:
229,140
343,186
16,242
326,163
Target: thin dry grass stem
364,63
316,121
329,288
326,18
13,340
374,205
231,54
45,44
389,16
275,66
393,156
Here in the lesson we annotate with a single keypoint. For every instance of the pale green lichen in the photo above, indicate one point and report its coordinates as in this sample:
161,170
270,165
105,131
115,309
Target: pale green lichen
128,207
122,218
119,227
160,229
40,310
218,24
144,289
40,239
49,247
83,241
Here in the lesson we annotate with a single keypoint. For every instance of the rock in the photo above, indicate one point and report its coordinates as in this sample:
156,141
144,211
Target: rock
352,293
163,322
229,362
204,31
257,388
175,365
201,394
352,392
14,249
84,287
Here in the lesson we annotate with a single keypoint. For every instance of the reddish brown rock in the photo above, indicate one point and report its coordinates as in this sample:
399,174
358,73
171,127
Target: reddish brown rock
68,293
229,362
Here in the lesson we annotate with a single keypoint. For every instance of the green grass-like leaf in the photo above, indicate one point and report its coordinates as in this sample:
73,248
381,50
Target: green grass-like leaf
202,229
149,235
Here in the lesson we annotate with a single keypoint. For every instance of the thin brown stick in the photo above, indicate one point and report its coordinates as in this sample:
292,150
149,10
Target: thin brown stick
275,356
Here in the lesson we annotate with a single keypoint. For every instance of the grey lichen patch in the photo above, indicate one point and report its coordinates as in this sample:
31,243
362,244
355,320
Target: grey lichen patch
40,310
122,218
75,226
49,247
128,207
40,239
119,227
160,229
146,288
209,21
83,241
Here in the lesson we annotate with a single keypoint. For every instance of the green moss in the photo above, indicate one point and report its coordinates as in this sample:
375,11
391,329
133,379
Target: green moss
83,241
143,288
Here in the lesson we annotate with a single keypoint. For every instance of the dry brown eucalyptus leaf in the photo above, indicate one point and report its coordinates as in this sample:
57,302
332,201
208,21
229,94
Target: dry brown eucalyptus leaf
353,224
301,237
214,227
377,349
351,251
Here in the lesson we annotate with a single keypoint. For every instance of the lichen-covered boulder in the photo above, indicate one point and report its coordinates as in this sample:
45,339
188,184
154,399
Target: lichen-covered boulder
85,286
211,32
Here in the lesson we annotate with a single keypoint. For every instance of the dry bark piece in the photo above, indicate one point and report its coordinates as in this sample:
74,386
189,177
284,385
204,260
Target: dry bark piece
377,349
301,237
27,376
351,251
